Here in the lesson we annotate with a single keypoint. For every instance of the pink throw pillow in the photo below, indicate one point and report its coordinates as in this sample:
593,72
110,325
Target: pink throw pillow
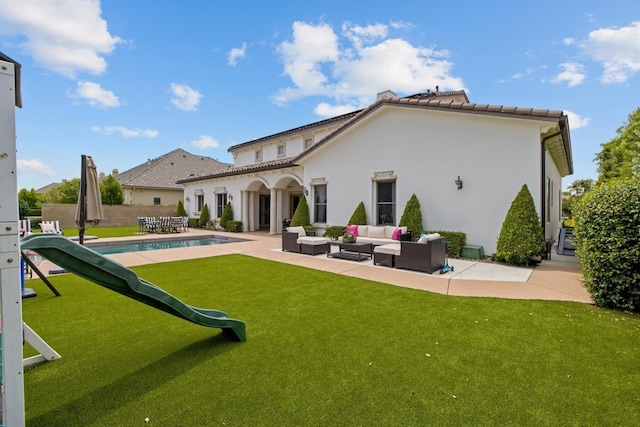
353,229
396,234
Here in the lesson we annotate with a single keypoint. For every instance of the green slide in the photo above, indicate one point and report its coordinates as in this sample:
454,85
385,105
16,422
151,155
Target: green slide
105,272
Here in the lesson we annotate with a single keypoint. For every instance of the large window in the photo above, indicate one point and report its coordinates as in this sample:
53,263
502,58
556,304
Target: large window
221,202
386,202
199,202
320,203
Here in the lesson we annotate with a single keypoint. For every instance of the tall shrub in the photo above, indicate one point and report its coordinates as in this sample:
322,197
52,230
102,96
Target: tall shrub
412,217
227,215
607,232
359,216
181,210
204,216
521,236
301,216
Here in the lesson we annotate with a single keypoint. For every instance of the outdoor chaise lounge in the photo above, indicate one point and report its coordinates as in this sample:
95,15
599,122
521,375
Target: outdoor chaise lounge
298,240
24,227
51,227
426,255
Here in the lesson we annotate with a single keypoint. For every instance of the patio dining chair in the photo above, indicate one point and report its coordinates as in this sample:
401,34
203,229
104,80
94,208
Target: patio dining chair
52,227
24,227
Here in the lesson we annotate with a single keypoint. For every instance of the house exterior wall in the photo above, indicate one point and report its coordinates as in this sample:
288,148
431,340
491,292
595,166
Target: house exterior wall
146,196
553,199
426,151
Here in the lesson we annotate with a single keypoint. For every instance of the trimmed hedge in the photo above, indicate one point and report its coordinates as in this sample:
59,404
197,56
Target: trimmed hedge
607,240
455,241
234,226
204,216
227,215
334,231
301,216
359,216
412,217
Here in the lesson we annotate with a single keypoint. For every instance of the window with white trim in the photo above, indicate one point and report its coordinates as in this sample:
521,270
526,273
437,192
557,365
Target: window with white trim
282,151
320,203
308,142
385,202
199,202
258,155
221,202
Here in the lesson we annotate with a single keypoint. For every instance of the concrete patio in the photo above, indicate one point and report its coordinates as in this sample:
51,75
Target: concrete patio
556,279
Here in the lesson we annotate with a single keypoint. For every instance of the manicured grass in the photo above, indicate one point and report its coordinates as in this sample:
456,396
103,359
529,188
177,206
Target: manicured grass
324,349
103,232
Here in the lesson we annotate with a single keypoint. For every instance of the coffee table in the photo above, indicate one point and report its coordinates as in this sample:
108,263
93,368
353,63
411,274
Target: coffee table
356,251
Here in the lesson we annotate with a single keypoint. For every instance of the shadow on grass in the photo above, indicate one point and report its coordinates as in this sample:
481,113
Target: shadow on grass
108,398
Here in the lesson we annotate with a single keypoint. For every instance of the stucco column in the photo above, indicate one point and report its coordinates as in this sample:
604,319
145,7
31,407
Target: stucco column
245,210
273,207
279,215
252,210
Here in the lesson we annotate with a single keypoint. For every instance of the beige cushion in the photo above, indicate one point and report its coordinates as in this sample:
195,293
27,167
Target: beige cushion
388,231
299,230
47,227
376,232
428,237
311,240
363,230
391,249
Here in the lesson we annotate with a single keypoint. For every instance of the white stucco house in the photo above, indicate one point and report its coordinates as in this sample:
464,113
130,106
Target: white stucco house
464,161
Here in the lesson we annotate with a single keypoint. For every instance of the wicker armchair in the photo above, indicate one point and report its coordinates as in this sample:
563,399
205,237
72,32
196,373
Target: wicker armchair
290,242
427,257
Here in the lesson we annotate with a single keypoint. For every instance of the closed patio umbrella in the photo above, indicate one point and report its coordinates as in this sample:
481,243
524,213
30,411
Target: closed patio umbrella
89,201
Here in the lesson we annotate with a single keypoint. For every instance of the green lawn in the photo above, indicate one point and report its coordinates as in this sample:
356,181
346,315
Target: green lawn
123,231
325,350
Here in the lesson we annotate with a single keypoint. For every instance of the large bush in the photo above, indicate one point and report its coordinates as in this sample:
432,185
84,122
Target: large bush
455,241
607,232
204,216
521,237
301,216
412,217
359,216
111,191
181,211
227,215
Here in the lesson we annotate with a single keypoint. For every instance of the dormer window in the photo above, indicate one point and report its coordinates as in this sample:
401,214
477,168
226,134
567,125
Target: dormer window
258,154
308,142
282,150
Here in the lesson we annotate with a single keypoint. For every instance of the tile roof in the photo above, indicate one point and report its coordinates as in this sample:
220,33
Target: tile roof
230,171
166,170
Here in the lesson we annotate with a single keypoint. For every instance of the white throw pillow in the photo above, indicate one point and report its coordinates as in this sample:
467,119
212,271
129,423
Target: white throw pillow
422,239
433,236
363,231
299,230
388,231
47,227
376,232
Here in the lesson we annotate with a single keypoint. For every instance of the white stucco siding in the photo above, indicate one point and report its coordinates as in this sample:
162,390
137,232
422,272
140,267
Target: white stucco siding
427,150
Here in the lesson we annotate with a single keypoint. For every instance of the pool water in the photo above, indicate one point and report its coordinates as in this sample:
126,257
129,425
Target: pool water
153,245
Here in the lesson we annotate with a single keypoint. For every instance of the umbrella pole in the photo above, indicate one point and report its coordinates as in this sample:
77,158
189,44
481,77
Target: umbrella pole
83,199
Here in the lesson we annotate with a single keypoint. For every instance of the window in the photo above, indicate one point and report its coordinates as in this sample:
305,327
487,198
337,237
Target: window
221,202
282,150
258,155
386,202
199,202
308,142
156,201
320,203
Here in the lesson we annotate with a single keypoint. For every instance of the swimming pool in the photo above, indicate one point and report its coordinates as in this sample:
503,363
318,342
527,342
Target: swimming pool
156,244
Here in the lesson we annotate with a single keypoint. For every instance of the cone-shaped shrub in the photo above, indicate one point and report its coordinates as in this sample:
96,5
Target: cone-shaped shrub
301,216
412,217
359,216
521,236
227,215
181,211
607,232
204,216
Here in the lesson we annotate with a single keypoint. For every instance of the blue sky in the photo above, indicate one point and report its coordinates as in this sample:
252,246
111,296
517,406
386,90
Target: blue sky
125,81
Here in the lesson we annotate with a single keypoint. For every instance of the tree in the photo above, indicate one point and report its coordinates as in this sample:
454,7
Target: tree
359,216
227,215
521,236
301,216
181,210
620,157
30,198
66,193
576,191
412,217
111,191
204,216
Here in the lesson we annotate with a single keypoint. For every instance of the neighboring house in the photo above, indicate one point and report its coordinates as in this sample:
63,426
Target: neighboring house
154,182
396,147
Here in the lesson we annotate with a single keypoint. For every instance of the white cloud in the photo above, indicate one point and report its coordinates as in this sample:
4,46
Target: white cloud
365,61
34,167
325,110
575,121
573,73
235,53
185,98
66,36
569,41
96,96
617,49
126,133
529,71
204,142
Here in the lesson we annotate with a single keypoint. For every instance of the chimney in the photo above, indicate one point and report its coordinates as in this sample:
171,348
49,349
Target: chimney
101,176
437,89
114,172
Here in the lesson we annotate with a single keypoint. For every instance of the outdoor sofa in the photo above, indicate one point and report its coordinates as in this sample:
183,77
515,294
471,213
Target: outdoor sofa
379,235
428,254
301,241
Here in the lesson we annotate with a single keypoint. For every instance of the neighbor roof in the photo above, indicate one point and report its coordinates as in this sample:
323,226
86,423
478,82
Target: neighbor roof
166,170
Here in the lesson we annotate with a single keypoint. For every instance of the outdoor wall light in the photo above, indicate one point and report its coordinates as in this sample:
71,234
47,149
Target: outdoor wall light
459,183
305,191
230,196
188,199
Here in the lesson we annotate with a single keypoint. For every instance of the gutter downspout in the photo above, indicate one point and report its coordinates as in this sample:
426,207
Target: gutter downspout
543,180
